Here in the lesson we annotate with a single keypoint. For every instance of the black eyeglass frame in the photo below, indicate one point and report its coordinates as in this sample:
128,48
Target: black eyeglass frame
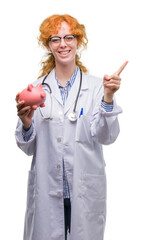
74,35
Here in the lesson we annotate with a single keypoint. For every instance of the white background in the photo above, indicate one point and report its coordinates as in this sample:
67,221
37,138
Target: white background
114,29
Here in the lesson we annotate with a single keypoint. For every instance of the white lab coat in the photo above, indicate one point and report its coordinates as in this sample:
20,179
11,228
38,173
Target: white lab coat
80,144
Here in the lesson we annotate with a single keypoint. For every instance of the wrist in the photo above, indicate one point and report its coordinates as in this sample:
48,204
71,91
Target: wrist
26,127
107,99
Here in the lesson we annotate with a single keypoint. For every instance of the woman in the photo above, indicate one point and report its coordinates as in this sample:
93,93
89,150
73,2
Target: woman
67,181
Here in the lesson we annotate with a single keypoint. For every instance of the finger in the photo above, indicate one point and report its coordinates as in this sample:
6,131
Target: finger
112,85
121,68
31,112
106,77
112,81
116,77
17,97
112,78
24,114
20,105
23,110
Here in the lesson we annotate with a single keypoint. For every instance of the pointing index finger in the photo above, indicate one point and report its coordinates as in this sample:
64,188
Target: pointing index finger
121,68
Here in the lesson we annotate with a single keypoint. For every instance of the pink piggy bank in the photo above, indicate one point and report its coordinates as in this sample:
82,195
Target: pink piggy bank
33,96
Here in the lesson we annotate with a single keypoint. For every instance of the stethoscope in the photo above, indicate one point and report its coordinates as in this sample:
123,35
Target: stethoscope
72,116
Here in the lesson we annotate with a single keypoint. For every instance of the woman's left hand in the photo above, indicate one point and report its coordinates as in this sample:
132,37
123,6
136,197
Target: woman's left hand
112,84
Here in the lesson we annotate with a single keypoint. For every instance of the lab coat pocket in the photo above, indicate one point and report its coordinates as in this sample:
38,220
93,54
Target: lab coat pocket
31,190
83,130
94,193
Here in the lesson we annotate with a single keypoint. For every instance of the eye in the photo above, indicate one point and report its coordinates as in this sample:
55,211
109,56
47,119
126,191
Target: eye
69,37
55,39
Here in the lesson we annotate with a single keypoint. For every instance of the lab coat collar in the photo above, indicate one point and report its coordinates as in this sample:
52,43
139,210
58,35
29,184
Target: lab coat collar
73,91
54,86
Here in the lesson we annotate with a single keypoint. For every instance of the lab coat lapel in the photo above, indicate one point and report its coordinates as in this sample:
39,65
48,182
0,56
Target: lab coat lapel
54,86
74,90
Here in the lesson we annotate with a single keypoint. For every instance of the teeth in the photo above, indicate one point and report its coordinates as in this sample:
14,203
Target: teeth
64,53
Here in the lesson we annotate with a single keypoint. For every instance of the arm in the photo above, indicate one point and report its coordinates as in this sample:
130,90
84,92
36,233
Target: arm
25,133
104,124
26,145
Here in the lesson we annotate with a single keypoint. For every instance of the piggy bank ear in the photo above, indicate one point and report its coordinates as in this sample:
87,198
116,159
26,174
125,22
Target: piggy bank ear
29,88
39,85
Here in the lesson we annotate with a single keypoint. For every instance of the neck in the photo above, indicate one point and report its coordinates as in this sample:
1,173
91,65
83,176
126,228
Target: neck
64,72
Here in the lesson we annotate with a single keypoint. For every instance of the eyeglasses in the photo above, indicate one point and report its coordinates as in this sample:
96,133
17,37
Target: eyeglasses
67,38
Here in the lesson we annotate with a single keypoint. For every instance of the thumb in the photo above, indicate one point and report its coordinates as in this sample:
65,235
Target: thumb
106,77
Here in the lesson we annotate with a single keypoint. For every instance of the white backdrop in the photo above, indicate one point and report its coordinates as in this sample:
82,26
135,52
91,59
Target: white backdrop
114,30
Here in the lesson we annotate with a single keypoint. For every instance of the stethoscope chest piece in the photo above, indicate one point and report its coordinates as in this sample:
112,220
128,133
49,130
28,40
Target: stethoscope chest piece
72,117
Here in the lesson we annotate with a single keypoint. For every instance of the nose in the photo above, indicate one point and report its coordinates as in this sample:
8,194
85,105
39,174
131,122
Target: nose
62,43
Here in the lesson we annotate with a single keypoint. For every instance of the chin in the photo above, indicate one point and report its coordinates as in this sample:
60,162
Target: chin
66,61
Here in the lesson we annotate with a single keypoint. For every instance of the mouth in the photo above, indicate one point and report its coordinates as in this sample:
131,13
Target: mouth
64,52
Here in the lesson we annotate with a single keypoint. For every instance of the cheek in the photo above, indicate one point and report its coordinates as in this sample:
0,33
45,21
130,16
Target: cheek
50,48
74,47
53,51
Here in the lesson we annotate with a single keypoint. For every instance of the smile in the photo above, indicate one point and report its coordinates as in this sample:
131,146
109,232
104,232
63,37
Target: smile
64,52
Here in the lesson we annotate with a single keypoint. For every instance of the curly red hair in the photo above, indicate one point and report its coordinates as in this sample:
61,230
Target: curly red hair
49,26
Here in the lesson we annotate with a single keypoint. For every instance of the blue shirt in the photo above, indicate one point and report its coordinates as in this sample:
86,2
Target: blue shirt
64,94
65,90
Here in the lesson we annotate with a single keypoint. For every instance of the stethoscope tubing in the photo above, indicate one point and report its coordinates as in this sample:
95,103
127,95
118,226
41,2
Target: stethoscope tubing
43,83
74,109
50,90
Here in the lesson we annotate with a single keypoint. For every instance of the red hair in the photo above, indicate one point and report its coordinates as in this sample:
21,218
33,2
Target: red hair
50,26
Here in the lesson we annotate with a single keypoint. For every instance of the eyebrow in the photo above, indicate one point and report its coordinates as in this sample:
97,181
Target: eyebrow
63,36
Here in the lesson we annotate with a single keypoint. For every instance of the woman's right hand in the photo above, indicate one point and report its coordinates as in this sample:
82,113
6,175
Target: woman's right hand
24,113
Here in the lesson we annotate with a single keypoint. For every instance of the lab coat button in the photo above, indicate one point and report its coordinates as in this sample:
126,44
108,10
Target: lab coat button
59,140
59,194
58,166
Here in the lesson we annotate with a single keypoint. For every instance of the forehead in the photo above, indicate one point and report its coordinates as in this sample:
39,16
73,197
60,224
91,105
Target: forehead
63,29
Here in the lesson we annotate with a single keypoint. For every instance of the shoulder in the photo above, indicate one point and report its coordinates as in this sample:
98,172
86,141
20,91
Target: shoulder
39,80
